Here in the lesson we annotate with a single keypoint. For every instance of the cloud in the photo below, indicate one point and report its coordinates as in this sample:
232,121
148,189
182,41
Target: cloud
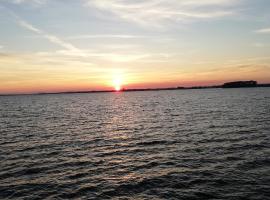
28,1
259,45
156,12
73,52
53,39
78,37
1,46
263,31
95,56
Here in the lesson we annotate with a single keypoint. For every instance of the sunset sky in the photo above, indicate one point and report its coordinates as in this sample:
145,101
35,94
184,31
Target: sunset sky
69,45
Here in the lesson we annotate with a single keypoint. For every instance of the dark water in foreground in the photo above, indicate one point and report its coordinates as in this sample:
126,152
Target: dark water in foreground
192,144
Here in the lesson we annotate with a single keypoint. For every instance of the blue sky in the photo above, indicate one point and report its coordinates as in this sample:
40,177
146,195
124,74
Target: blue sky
86,44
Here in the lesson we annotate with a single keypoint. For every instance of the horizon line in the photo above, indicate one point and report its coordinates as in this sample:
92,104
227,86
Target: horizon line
134,89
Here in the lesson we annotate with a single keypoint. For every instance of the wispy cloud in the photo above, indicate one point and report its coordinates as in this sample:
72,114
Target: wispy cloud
73,52
52,38
96,56
78,37
263,31
259,45
1,46
155,12
27,1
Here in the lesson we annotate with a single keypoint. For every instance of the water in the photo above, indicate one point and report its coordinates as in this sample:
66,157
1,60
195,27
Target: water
186,144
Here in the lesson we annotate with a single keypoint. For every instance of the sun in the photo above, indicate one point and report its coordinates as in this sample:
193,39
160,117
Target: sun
117,88
117,83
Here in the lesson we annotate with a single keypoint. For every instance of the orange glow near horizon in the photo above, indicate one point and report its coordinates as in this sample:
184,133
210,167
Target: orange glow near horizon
117,84
117,79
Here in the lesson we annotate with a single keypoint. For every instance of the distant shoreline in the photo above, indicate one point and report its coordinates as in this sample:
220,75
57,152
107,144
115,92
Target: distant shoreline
138,90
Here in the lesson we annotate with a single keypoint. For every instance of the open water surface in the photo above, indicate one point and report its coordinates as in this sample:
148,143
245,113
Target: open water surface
184,144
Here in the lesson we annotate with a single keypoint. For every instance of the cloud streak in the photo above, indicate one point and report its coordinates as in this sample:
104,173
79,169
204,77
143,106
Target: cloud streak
101,36
263,31
156,12
28,1
73,52
53,39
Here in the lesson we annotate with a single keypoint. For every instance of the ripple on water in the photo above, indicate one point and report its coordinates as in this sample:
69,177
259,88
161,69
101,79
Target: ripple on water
196,144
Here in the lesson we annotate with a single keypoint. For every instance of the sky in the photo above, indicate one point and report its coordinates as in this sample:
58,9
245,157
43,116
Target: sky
77,45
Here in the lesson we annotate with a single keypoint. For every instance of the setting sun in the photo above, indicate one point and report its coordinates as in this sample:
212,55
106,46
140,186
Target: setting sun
117,83
117,88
